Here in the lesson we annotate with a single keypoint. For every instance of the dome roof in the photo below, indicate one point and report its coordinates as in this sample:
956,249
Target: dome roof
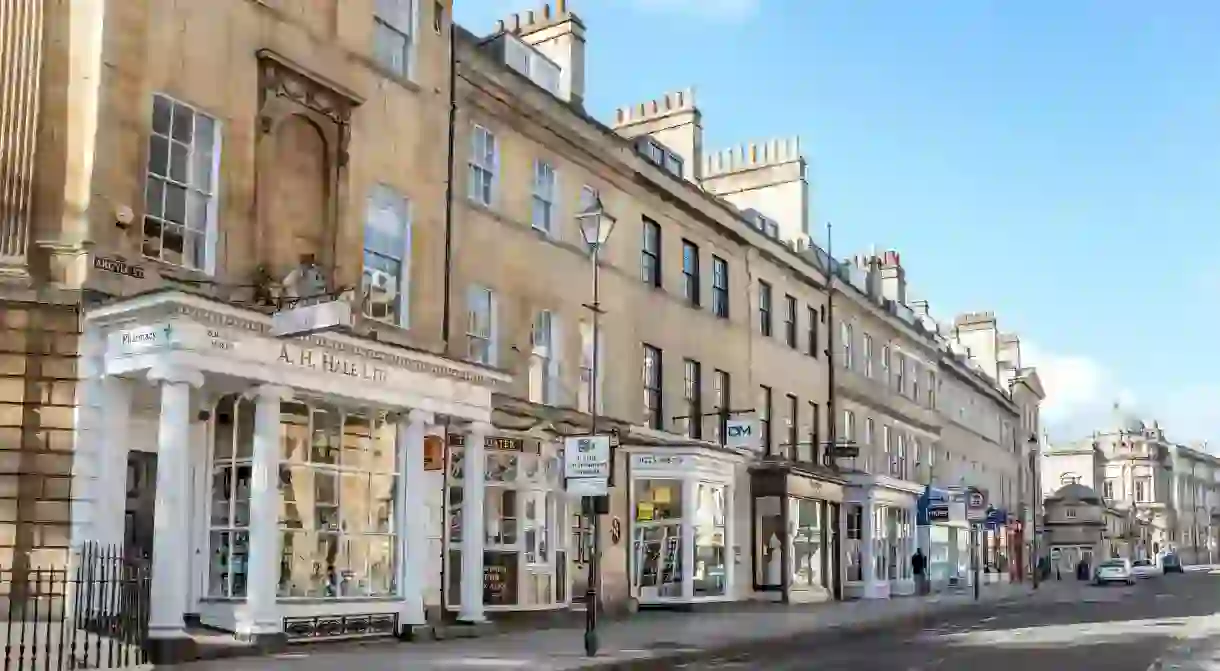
1077,492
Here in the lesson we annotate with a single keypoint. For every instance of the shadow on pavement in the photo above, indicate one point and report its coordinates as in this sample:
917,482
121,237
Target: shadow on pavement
1106,628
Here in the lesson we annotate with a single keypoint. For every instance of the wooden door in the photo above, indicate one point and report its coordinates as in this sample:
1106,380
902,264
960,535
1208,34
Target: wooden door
141,502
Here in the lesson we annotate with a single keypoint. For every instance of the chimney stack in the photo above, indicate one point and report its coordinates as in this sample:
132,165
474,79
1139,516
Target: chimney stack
559,35
674,121
893,277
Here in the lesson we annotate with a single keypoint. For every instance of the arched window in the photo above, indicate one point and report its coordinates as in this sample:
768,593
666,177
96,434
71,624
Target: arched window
1069,479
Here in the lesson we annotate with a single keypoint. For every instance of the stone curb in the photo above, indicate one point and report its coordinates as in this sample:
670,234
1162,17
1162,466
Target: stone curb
666,660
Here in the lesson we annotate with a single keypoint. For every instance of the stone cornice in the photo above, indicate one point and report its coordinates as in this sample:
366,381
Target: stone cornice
168,304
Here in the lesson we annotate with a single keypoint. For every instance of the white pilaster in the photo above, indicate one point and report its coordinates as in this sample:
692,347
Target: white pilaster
472,523
690,506
262,616
112,481
412,518
171,520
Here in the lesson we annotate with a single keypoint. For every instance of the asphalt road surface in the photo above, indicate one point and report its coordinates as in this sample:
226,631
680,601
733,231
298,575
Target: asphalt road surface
1161,623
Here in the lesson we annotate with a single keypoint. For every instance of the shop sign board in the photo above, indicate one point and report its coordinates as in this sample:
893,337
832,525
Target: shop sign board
586,465
143,339
742,434
976,504
938,512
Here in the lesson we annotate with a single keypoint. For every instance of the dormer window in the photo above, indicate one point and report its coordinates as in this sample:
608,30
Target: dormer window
659,155
768,226
531,63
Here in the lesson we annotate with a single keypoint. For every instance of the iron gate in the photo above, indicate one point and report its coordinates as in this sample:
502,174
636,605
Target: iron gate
90,614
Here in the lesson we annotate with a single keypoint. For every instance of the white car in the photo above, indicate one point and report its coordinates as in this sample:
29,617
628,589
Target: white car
1113,570
1144,568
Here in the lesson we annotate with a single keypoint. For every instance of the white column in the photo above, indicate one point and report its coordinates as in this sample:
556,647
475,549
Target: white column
690,506
111,508
411,517
262,577
171,541
472,523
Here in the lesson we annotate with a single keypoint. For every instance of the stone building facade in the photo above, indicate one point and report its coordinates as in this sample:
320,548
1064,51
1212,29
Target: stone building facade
707,317
933,411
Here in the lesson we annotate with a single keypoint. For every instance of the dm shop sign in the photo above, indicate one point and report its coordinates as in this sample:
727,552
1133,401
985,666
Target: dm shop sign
742,434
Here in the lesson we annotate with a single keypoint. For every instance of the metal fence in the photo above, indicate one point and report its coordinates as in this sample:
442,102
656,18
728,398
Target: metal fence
90,614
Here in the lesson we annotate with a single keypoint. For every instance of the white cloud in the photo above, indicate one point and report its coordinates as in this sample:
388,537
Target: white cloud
1080,391
711,9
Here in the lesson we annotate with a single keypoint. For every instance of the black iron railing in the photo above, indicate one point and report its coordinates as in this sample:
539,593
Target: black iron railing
90,614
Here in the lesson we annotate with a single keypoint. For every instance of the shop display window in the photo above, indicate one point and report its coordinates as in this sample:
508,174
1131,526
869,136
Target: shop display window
806,520
853,548
657,543
337,479
710,570
769,540
229,506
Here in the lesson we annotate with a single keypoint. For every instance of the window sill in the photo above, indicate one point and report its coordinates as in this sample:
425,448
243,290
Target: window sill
404,81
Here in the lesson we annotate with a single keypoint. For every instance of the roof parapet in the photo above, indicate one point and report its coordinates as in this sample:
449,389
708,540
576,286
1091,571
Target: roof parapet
670,103
776,151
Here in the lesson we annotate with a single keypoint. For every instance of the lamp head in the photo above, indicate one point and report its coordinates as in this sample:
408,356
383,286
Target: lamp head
595,224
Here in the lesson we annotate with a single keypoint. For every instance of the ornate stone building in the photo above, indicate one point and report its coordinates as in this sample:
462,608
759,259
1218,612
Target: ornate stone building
160,198
1167,490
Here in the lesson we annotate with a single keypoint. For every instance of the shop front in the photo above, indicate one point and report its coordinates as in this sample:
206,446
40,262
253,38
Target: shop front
522,555
683,533
797,523
944,537
879,528
281,489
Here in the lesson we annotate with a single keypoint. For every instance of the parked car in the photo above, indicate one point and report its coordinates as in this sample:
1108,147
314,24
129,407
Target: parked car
1143,568
1171,563
1113,570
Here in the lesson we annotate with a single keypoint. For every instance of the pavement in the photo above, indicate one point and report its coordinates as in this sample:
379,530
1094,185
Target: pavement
1161,623
658,640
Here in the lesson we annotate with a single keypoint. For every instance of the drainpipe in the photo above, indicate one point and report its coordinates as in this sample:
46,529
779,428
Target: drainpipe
447,301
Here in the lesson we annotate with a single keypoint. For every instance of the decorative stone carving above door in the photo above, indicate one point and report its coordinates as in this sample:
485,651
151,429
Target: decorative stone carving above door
301,166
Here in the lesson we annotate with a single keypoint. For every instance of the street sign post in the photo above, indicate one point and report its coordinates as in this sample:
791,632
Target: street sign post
586,465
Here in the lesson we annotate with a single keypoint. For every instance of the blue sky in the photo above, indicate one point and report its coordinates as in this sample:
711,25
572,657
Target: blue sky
1056,161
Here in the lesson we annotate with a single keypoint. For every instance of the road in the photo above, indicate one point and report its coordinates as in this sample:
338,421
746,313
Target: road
1167,622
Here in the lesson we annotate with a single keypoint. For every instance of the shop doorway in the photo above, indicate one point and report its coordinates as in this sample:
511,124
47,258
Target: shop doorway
141,503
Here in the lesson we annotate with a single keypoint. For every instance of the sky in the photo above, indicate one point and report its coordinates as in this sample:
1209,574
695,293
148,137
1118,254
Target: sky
1054,161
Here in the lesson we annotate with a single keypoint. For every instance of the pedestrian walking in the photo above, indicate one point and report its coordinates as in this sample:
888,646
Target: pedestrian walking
919,566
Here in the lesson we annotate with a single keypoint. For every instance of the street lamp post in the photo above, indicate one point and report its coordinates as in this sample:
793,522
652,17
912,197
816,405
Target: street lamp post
595,227
1033,502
